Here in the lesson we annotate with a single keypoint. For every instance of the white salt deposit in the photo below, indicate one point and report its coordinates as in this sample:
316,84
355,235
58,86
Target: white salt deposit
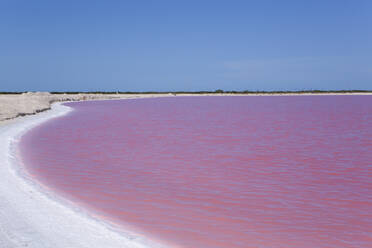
30,217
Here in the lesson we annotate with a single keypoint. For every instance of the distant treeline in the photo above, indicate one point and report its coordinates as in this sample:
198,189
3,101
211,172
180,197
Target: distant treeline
219,91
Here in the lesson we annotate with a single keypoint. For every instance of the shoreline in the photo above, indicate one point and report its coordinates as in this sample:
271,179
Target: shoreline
19,105
33,217
14,105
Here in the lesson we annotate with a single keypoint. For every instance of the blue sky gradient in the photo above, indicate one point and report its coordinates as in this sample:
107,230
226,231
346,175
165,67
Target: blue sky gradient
190,45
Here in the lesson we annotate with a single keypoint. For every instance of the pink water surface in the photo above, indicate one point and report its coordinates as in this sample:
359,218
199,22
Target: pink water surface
268,171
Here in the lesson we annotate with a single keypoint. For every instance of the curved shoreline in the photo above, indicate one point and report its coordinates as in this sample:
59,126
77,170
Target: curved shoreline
16,105
30,217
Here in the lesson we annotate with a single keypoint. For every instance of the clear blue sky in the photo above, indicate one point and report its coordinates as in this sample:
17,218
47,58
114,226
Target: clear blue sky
139,45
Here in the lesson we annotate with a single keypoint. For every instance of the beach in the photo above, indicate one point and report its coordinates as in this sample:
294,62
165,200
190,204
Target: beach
31,216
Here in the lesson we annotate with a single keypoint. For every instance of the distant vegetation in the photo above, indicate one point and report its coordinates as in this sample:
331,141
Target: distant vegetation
218,91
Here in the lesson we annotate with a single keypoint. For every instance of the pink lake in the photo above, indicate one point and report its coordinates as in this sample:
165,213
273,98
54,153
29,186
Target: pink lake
216,172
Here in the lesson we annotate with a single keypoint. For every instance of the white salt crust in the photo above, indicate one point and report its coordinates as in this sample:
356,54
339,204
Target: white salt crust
33,217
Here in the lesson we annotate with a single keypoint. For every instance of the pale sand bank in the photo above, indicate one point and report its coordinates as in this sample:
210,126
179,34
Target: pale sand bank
14,105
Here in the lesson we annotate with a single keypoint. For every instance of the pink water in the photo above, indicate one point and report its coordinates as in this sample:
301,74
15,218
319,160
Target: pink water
283,171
